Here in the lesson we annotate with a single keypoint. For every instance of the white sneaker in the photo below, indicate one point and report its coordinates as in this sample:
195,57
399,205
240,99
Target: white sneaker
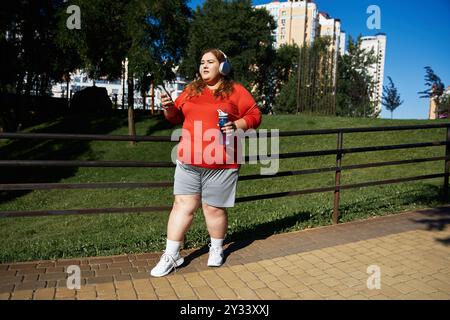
166,264
215,256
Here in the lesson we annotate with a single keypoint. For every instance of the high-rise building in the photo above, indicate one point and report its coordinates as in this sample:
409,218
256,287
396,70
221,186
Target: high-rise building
342,43
376,70
296,21
433,111
329,27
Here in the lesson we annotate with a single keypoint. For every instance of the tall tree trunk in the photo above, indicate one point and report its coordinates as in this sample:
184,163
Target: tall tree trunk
131,126
123,85
299,69
152,92
29,83
144,99
19,86
68,89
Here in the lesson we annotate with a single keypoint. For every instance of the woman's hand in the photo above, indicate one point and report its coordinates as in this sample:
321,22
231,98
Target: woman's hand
228,128
166,101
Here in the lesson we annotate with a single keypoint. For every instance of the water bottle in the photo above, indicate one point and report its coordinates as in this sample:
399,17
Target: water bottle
223,118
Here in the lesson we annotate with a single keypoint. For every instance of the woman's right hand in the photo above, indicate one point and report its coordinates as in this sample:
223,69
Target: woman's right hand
166,101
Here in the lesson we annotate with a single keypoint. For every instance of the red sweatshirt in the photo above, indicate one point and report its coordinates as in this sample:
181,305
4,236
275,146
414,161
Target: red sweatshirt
199,143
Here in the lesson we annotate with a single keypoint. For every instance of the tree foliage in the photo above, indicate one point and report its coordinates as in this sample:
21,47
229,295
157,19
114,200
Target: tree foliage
435,90
443,109
310,84
315,87
158,36
434,84
284,71
243,33
354,83
286,100
391,98
31,57
102,40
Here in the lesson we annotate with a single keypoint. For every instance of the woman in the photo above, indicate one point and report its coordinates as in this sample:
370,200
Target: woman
203,178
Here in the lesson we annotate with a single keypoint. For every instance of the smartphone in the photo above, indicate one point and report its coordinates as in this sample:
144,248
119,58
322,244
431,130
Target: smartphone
165,90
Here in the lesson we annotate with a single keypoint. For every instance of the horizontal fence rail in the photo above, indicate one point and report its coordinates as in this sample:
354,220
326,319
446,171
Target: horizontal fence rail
339,151
82,163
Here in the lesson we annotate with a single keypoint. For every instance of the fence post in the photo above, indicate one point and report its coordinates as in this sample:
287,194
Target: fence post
340,140
447,165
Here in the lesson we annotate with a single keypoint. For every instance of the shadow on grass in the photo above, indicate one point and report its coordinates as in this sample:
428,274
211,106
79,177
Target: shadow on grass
428,194
161,124
29,149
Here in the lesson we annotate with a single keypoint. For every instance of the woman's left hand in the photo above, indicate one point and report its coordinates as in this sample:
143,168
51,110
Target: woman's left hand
228,128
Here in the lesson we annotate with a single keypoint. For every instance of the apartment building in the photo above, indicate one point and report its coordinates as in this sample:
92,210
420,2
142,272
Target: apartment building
300,22
433,105
376,70
329,27
296,21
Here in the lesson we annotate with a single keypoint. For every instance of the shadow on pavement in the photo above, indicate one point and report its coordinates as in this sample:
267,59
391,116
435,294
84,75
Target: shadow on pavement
241,239
437,219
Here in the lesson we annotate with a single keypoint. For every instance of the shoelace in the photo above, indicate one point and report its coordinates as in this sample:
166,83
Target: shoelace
217,250
168,258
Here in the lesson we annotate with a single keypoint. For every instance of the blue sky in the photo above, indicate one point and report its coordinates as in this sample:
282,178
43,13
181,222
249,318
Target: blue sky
418,35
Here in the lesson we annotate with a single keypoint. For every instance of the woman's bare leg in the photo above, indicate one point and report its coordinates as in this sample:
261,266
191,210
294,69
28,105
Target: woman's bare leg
181,216
216,221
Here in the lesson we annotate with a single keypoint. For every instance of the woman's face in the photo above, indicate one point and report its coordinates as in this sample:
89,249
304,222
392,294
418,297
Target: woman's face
209,68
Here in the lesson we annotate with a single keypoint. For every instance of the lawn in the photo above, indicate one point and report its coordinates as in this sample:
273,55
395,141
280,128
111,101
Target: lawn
51,237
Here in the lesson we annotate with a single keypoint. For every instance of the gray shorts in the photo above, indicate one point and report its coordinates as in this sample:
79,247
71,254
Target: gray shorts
217,186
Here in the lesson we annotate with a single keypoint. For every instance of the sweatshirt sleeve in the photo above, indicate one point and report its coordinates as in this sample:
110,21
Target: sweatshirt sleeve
177,117
248,109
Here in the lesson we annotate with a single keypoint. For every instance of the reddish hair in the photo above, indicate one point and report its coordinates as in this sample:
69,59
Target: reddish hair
225,89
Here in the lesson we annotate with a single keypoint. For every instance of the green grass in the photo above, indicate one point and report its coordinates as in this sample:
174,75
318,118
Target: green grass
32,238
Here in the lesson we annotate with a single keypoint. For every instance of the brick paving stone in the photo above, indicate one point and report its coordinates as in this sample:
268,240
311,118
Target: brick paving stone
5,296
22,295
205,293
267,294
65,293
30,285
44,294
328,262
225,293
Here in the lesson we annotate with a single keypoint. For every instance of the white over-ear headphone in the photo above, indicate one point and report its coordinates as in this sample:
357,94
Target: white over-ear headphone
225,66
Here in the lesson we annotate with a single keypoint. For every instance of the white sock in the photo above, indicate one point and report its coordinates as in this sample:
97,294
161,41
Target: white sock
173,247
216,243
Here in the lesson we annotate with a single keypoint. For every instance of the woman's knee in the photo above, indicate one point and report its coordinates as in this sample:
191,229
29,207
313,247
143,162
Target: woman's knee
213,211
186,204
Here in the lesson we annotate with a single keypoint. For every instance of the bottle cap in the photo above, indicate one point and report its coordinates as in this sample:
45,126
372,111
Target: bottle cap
221,113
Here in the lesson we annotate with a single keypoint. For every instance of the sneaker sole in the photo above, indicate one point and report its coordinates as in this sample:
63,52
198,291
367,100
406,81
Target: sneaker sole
178,263
214,264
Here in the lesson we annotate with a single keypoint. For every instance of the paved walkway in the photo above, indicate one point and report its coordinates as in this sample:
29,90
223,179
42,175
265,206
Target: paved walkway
410,251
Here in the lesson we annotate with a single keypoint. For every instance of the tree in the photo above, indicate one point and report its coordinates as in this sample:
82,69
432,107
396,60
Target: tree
31,57
243,33
434,84
443,109
147,36
354,83
102,41
284,65
286,100
158,36
315,78
435,91
391,98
